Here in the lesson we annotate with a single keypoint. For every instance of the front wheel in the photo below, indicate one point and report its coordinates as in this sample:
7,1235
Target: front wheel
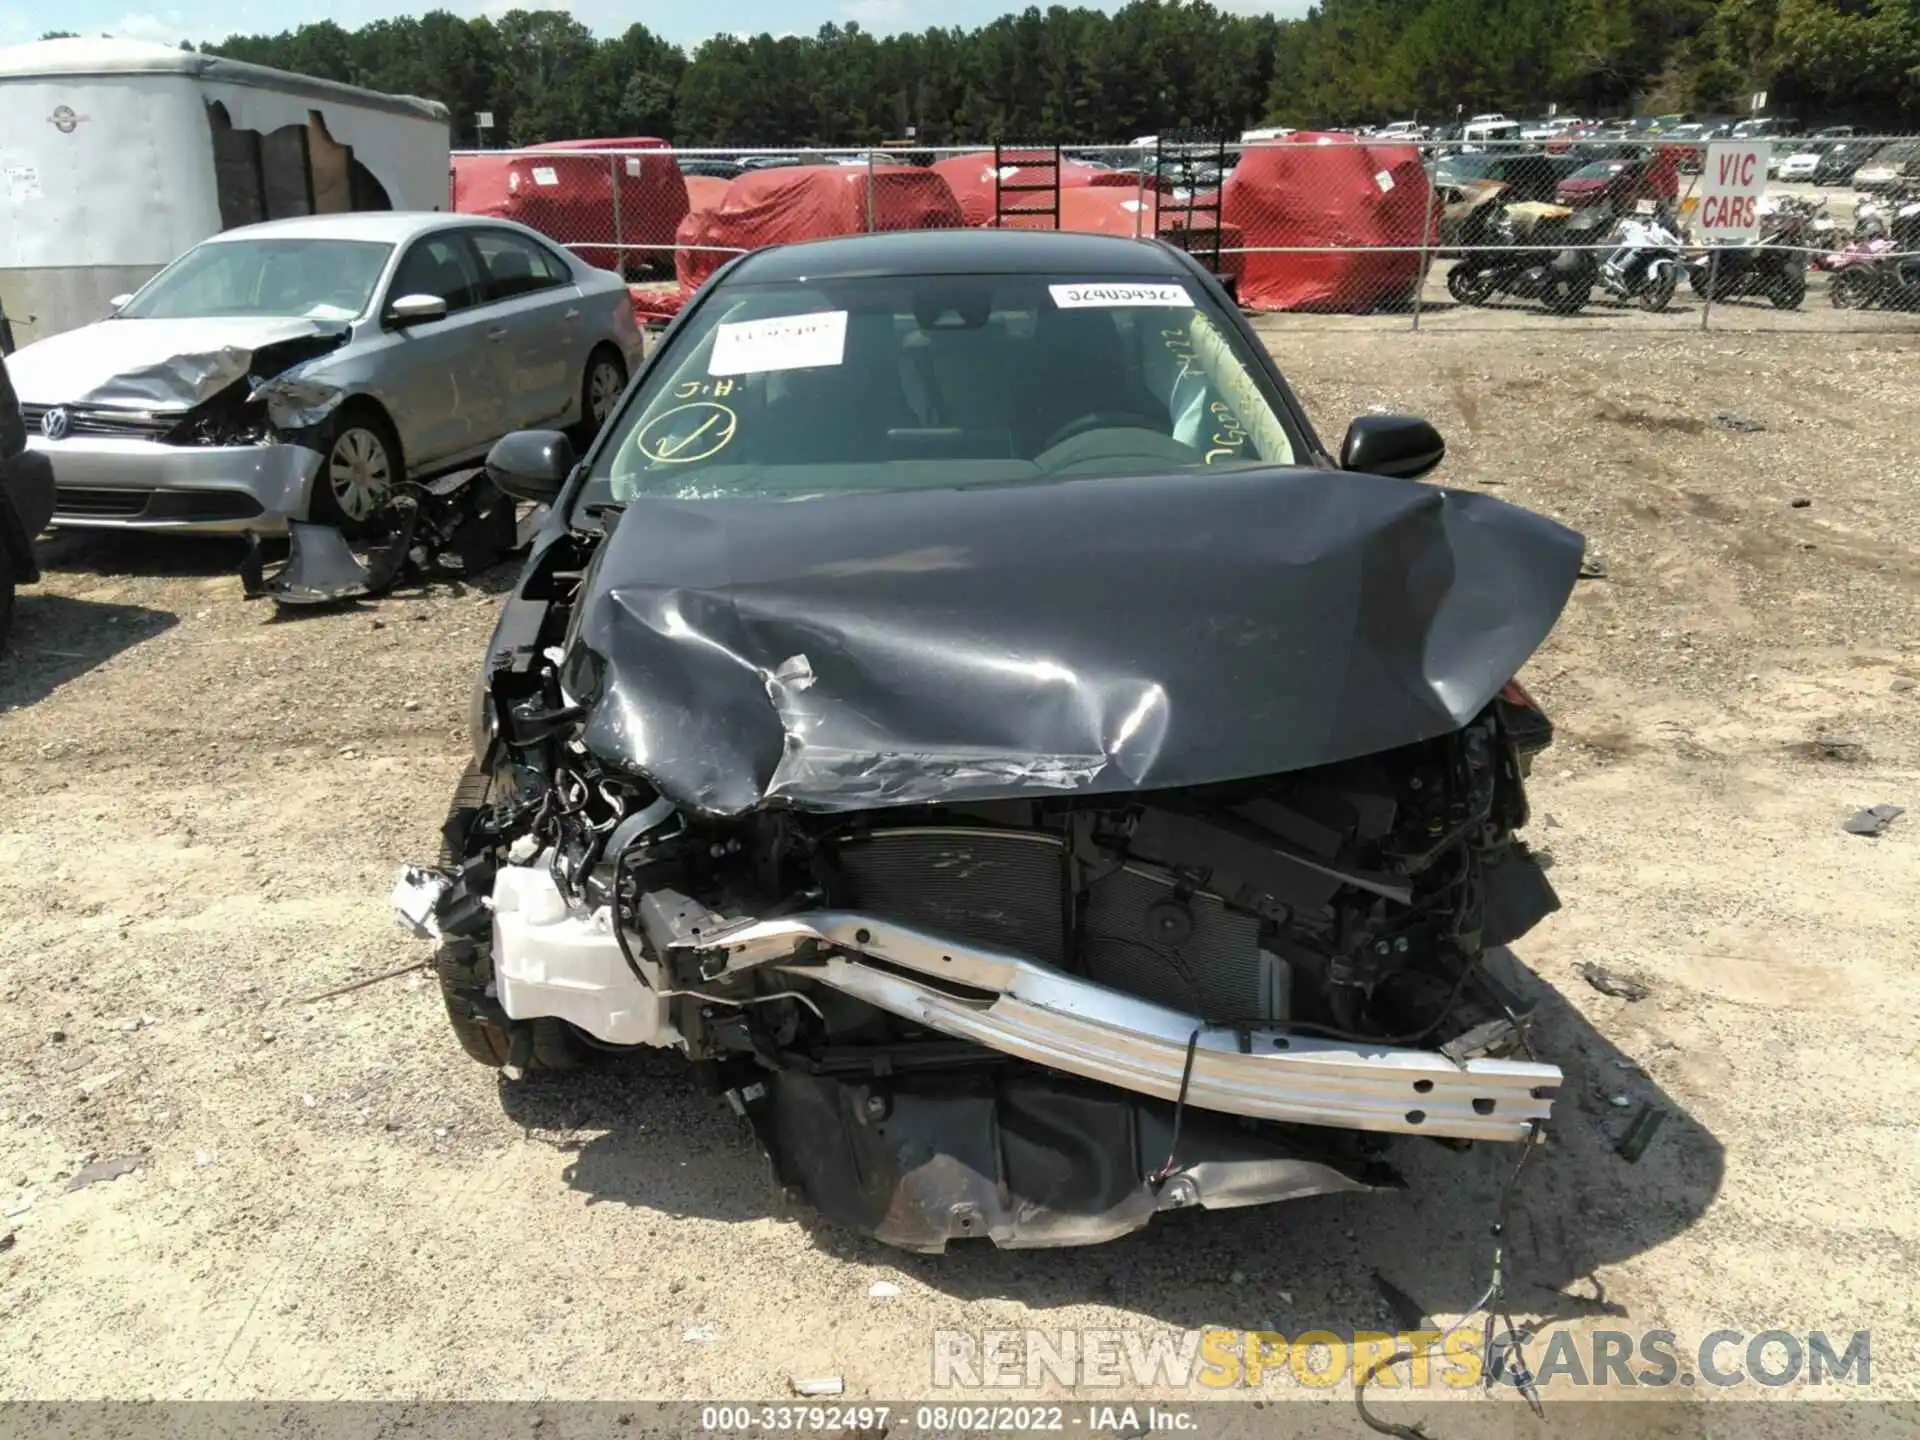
1469,284
1788,291
1851,290
1657,293
360,472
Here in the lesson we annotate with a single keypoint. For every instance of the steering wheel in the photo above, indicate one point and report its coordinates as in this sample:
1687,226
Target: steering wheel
1105,420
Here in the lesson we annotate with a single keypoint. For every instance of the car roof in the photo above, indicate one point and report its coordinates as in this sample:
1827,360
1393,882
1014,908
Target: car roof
960,252
393,227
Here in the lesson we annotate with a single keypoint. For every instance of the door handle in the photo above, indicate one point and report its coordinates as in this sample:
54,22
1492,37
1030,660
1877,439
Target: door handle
499,332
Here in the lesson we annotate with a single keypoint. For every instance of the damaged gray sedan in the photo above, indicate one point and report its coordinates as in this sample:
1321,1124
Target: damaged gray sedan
960,704
305,370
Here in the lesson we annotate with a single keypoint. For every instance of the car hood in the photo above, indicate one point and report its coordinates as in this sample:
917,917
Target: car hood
161,365
1085,636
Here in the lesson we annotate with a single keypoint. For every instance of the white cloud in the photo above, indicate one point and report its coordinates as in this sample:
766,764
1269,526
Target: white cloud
163,29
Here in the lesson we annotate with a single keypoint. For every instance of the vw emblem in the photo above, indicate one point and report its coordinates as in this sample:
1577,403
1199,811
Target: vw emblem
56,423
63,118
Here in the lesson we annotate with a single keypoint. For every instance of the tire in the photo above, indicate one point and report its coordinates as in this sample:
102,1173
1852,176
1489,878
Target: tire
601,385
360,469
1470,285
1851,290
463,976
7,583
1788,291
1658,294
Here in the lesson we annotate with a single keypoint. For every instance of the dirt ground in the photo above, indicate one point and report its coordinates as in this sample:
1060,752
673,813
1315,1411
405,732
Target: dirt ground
205,808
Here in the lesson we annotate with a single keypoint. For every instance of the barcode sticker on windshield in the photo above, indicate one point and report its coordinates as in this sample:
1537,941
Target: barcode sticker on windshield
792,342
1097,297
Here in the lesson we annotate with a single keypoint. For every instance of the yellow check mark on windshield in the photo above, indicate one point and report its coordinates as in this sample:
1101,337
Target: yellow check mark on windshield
671,448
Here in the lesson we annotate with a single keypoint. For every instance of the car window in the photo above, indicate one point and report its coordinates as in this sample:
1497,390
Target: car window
309,278
439,265
517,266
883,383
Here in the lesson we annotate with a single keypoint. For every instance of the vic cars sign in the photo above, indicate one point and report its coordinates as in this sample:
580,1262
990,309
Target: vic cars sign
1731,183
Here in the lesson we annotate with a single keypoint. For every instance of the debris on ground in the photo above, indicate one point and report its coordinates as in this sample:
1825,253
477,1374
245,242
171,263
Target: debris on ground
1620,1102
1835,747
1800,502
104,1170
701,1334
1873,820
1616,983
1900,684
1593,567
1645,1125
882,1290
6,1242
1732,420
820,1386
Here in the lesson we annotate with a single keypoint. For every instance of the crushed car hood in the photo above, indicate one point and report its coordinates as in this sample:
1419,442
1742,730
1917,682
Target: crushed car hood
1081,636
160,365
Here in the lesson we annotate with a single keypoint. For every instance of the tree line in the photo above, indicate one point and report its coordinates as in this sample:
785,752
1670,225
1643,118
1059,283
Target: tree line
1153,67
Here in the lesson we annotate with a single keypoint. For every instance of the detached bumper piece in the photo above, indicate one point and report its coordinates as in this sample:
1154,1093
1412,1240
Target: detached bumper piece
452,528
1048,1017
1026,1163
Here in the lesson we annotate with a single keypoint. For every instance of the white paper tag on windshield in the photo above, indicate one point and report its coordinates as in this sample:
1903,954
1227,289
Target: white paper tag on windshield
633,164
543,175
1383,180
792,342
1109,296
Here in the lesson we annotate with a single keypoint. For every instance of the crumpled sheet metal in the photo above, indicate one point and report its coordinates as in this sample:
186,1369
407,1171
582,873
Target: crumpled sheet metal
296,401
1086,637
181,381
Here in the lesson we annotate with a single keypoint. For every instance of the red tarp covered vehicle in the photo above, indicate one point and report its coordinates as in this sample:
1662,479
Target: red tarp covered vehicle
810,202
971,178
1328,189
570,197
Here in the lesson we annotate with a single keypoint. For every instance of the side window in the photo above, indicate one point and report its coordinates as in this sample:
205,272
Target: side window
516,266
438,265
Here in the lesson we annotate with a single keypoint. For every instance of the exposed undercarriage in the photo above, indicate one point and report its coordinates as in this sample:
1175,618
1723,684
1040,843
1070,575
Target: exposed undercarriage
1039,1020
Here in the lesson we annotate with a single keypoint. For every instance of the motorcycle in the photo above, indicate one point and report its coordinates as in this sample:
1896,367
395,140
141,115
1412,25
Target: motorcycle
1775,266
1644,264
1881,273
1537,257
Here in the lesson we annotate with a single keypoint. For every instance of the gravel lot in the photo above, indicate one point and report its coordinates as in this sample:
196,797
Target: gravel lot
206,806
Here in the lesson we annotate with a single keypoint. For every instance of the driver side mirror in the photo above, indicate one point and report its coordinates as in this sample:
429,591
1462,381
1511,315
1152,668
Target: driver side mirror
118,303
416,310
531,464
1403,446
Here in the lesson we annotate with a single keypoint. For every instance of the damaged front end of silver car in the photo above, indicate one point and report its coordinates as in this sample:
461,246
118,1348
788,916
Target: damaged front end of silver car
1034,924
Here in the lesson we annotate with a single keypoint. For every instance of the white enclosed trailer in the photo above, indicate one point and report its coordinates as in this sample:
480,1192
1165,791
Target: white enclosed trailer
116,156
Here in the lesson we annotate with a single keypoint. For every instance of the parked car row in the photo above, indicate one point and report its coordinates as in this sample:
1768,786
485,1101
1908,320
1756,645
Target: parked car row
309,369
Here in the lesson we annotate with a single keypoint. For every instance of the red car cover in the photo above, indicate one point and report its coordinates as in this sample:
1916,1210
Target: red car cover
1327,189
1109,210
569,198
809,202
971,178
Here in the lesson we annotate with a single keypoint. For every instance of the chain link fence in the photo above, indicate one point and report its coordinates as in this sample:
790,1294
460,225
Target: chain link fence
1366,231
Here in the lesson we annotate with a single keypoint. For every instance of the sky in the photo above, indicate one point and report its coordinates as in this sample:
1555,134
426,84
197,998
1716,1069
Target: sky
677,21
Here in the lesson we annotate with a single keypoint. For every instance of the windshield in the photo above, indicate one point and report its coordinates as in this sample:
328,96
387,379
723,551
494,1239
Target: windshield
313,279
1456,168
834,386
1599,170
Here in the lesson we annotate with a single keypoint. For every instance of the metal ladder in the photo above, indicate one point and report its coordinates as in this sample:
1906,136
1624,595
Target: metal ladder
1195,222
1041,161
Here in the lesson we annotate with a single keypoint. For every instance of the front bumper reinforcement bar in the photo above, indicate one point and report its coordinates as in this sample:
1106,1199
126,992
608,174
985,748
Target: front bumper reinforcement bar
1048,1017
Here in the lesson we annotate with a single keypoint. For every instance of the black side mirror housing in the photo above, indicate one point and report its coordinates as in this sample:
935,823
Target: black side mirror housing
1404,446
531,464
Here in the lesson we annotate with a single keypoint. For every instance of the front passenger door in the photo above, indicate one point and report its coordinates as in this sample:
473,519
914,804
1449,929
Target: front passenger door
442,380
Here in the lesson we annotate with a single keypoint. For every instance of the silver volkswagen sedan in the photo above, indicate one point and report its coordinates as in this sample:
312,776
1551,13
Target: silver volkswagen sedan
301,369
